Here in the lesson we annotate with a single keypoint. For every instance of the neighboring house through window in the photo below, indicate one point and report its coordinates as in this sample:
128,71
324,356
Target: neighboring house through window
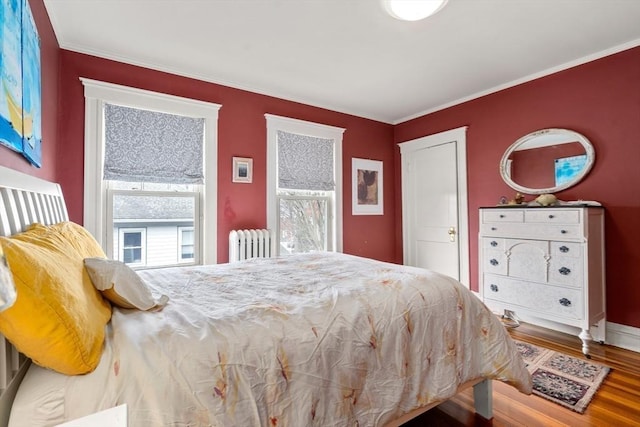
150,175
304,181
185,244
132,245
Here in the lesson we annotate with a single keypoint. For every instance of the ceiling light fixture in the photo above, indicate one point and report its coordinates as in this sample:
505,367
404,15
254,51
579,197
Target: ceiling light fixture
412,10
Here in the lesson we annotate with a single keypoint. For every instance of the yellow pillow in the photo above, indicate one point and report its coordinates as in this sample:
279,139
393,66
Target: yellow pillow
58,319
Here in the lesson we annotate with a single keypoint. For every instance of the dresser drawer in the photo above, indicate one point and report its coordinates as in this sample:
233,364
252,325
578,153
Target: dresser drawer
493,244
494,261
502,215
532,231
544,299
566,271
566,249
560,216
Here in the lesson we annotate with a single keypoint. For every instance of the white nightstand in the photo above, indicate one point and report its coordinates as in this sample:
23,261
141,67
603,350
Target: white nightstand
112,417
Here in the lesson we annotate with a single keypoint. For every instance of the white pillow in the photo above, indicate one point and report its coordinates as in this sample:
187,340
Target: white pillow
121,285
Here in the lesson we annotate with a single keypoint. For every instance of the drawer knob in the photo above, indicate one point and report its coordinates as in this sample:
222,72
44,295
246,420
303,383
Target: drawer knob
564,249
564,271
502,215
494,288
494,262
493,228
563,231
565,302
551,216
494,243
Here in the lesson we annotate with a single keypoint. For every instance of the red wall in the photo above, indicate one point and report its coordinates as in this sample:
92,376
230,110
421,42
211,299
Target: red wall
600,100
49,54
241,132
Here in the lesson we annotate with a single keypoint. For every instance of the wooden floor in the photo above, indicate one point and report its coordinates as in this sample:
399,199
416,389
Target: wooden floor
616,404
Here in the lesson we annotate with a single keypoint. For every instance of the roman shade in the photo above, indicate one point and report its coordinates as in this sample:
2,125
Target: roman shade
305,162
148,146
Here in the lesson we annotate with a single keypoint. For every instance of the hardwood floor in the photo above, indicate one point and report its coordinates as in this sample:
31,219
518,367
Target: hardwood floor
616,404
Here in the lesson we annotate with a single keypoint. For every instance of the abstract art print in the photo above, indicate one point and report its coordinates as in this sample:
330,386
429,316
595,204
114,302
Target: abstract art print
20,85
367,187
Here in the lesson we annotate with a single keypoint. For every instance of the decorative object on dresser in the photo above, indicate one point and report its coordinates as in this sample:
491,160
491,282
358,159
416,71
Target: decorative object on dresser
546,265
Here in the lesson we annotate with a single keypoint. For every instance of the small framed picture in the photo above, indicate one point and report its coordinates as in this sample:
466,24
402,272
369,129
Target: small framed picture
367,187
242,169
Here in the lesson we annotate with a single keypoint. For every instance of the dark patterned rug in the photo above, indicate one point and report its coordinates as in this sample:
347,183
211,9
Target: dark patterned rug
568,381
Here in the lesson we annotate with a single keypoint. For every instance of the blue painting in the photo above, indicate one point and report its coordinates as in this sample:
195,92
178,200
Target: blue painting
567,168
20,87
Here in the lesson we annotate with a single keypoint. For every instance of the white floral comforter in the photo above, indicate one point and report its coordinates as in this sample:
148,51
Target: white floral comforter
308,340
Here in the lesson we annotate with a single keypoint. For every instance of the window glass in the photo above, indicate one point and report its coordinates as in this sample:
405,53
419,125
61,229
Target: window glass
169,219
131,244
303,222
132,249
186,244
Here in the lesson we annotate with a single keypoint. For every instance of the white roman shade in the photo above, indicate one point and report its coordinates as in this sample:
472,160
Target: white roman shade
148,146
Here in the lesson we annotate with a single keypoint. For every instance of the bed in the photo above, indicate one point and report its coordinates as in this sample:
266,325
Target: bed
323,339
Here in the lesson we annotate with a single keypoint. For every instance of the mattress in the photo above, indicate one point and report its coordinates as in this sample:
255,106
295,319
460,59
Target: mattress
322,339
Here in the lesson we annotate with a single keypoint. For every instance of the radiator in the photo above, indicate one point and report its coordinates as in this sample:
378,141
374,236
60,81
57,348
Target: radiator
244,244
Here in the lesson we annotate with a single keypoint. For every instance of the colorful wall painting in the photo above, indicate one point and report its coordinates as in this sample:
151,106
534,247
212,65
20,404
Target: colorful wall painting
20,85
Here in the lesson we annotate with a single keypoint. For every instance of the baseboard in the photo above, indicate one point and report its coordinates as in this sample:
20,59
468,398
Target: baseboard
617,335
623,336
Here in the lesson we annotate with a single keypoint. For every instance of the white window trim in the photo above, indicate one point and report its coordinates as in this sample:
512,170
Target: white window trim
143,244
301,127
97,93
187,260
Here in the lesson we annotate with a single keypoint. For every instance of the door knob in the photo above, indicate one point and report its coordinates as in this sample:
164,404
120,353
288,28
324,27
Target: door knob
452,234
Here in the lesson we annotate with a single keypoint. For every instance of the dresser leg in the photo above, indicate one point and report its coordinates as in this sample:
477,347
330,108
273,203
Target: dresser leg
586,338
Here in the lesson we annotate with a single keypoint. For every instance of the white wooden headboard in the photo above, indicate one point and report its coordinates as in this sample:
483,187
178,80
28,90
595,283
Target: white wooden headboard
24,199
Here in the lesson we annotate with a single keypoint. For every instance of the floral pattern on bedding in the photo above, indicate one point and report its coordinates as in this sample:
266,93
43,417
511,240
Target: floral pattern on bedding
321,339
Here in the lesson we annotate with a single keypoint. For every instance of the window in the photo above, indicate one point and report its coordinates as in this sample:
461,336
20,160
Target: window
304,180
117,198
185,244
163,210
305,222
132,245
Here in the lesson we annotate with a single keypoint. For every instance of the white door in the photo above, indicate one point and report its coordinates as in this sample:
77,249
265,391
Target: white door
434,204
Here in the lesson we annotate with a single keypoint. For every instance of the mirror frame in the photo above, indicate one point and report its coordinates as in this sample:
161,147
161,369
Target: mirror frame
572,135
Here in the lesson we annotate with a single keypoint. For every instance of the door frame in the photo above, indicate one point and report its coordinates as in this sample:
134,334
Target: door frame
459,137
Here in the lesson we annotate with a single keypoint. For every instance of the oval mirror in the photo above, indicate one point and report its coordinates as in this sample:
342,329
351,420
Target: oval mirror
547,161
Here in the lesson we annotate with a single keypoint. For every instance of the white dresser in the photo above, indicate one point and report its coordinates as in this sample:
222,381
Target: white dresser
546,265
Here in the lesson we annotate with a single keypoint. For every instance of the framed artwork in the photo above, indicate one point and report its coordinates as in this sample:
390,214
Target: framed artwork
568,168
20,107
242,169
367,187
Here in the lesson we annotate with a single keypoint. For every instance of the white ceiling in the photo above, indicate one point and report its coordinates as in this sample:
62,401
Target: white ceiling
348,55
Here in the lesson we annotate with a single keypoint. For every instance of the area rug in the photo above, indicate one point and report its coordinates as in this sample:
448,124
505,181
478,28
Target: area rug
568,381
